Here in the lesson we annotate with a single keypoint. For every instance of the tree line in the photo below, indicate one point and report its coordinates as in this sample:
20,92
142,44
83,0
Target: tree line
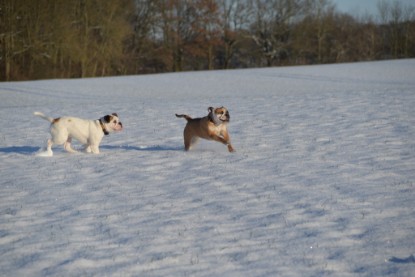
88,38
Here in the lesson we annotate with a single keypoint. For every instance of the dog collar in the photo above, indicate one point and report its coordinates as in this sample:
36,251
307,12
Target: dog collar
103,128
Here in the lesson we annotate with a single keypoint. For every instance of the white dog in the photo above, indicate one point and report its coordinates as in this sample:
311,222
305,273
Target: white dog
87,132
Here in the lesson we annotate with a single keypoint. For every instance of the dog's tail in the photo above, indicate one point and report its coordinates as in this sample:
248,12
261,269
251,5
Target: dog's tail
39,114
185,116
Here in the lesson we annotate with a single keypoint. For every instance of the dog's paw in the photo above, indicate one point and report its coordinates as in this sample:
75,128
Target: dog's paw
44,153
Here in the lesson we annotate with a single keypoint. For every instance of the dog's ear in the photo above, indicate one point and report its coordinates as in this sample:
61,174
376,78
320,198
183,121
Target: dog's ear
107,118
210,109
115,114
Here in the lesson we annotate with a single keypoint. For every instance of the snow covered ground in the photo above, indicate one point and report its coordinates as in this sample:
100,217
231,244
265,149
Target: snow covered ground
322,182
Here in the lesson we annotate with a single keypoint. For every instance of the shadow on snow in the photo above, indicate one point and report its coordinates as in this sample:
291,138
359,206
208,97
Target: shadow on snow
143,148
408,260
19,149
29,150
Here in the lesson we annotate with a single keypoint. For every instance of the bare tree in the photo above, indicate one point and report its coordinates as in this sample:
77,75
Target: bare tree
82,38
100,28
235,16
11,38
272,26
177,17
396,20
141,45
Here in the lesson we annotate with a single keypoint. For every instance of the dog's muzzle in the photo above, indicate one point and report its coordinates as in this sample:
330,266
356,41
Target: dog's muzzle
214,118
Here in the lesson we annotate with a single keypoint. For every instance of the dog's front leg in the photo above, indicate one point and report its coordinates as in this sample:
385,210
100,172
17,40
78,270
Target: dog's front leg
67,146
227,140
94,149
223,138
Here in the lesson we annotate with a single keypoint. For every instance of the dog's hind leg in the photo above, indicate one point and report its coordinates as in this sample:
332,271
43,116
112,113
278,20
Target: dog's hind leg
68,147
49,145
87,148
189,139
187,144
48,152
190,142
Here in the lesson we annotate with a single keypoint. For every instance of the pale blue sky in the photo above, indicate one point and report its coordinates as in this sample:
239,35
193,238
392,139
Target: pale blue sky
362,7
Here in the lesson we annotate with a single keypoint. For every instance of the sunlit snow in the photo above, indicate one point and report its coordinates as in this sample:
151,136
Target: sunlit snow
322,182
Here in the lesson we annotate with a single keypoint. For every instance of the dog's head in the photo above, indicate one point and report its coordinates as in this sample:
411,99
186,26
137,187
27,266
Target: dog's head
219,115
111,123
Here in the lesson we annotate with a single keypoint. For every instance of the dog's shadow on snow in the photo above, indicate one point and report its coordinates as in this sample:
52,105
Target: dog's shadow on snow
142,148
407,260
25,150
31,150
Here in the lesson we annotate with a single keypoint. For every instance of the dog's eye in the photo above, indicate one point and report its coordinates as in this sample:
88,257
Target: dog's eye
115,121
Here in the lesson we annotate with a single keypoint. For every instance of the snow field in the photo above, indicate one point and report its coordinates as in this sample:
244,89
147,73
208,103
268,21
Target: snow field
322,182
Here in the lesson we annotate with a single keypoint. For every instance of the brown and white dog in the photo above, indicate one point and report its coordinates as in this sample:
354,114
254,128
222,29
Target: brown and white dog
87,132
211,127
